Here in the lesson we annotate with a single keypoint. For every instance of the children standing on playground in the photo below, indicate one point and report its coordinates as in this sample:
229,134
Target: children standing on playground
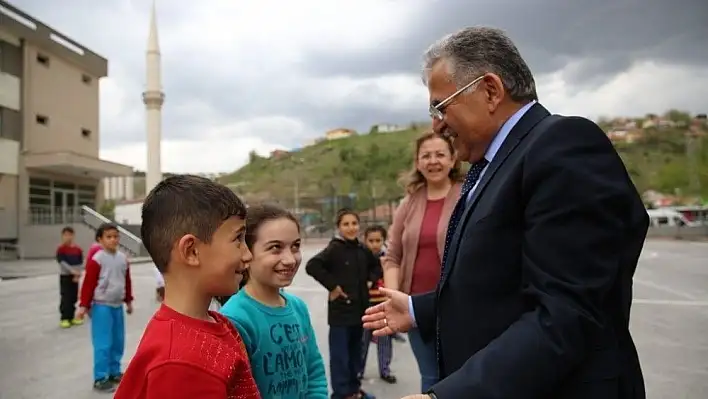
194,230
374,237
275,325
347,269
70,258
105,288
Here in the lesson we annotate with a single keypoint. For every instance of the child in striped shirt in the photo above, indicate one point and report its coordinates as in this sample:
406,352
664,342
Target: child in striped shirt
374,237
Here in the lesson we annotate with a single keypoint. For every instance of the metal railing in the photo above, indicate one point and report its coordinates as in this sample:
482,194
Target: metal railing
128,240
42,215
11,251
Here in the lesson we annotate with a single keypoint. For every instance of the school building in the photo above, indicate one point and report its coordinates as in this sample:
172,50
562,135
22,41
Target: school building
50,171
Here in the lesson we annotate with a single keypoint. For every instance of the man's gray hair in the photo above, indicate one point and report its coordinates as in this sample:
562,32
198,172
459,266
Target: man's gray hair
472,52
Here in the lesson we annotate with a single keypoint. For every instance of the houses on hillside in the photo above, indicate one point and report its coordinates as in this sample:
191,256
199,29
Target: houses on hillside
339,133
629,130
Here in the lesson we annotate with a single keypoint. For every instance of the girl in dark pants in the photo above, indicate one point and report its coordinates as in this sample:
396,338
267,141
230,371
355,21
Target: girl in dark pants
346,268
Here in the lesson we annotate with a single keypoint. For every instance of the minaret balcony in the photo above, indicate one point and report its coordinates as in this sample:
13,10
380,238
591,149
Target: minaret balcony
153,98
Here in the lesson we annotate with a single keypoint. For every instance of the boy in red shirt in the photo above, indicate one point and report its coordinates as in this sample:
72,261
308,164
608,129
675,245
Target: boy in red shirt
194,230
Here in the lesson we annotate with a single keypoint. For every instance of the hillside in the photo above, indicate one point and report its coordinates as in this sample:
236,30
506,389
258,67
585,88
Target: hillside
369,165
366,165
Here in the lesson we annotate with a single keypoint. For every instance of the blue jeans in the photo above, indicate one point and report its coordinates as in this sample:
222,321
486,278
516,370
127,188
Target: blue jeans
108,338
427,360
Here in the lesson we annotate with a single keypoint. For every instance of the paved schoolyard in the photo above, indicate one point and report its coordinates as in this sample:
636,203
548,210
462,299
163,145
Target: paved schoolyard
670,321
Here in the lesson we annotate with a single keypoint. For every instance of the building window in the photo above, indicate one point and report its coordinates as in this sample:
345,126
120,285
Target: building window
87,196
55,202
43,59
86,79
86,133
42,119
40,192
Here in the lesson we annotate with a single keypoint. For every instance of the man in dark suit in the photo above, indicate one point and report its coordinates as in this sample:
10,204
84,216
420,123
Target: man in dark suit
535,294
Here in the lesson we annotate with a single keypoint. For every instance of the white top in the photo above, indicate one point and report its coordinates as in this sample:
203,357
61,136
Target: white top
214,306
159,279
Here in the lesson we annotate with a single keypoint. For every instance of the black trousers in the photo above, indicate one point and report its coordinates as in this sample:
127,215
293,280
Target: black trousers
345,360
68,293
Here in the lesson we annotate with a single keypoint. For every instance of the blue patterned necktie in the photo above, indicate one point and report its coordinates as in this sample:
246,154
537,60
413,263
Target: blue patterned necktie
470,180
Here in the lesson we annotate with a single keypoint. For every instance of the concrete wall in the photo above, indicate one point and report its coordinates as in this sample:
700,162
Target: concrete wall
41,241
129,213
8,207
57,91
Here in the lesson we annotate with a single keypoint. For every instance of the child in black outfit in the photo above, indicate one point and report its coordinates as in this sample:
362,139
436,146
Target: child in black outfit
347,269
70,258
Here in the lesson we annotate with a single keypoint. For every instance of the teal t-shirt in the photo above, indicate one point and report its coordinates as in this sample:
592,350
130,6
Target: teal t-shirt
281,345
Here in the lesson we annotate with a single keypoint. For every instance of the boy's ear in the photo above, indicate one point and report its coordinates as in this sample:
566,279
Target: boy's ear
187,250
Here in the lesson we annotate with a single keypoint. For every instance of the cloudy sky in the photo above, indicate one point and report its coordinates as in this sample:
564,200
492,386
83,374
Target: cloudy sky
242,75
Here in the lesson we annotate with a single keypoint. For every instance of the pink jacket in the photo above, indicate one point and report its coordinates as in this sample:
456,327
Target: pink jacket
405,232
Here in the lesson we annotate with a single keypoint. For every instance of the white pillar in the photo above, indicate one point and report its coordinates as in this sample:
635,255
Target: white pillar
129,188
114,188
106,182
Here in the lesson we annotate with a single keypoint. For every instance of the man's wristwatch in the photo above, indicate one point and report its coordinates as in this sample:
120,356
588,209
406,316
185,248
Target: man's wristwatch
432,395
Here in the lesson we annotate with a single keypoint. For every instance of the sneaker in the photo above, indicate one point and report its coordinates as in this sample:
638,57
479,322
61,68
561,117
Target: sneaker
104,385
391,379
116,378
65,324
77,322
364,395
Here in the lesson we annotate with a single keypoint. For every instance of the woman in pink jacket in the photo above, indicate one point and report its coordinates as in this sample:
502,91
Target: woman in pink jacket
417,235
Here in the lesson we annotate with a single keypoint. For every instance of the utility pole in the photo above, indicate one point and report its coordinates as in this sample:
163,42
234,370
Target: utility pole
296,190
296,194
692,151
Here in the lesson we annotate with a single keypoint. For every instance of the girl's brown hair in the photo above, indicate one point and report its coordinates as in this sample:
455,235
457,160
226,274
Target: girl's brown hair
342,213
256,215
413,179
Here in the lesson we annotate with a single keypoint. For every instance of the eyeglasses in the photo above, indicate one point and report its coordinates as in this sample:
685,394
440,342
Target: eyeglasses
437,111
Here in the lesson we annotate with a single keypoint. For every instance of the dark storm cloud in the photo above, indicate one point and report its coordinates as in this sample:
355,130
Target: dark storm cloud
611,33
601,37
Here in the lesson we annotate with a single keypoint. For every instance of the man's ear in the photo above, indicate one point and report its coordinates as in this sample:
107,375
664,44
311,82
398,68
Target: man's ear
187,249
493,91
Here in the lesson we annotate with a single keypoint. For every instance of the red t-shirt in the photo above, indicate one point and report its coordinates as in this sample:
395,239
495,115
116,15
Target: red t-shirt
426,270
180,357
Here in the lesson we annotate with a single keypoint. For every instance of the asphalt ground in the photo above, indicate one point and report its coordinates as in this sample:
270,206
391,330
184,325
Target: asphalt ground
39,360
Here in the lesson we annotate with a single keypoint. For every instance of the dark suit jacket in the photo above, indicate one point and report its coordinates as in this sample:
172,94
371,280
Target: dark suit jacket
536,295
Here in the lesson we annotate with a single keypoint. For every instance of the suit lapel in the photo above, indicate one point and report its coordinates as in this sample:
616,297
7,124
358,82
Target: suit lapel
531,118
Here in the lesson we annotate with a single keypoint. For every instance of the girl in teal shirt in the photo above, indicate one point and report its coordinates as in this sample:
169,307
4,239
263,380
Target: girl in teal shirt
275,325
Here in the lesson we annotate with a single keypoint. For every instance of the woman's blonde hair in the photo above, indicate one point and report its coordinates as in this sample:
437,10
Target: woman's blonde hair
414,180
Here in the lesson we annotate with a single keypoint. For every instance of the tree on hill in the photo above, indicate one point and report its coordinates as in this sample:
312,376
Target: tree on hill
677,116
253,157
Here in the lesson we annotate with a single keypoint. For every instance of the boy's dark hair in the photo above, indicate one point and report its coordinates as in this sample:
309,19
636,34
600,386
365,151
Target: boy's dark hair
185,204
67,229
342,213
103,228
256,215
374,229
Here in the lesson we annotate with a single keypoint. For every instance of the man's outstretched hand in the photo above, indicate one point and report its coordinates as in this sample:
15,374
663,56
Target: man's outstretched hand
389,317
